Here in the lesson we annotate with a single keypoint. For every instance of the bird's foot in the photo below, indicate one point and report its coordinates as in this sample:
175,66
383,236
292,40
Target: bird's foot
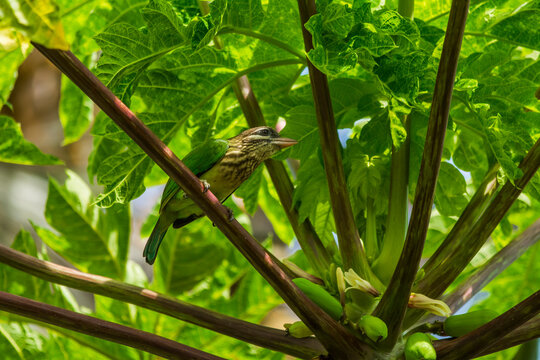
230,215
206,185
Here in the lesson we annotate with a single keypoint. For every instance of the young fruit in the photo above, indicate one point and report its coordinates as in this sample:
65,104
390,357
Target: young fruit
320,297
298,329
419,347
457,325
373,327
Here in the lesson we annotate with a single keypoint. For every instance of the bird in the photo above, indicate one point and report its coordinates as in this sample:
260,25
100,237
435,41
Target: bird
222,166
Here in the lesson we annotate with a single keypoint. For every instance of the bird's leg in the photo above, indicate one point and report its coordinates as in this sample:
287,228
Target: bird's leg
230,214
206,186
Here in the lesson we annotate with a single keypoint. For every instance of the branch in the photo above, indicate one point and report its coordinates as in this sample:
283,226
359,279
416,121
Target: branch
467,219
308,239
483,275
328,331
350,245
393,304
481,198
473,343
493,267
526,332
255,334
398,204
102,329
444,273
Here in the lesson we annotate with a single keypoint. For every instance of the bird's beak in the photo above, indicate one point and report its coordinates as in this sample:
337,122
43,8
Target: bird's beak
284,142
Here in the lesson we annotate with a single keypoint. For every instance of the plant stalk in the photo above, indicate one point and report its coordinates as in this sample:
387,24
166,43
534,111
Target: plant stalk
332,334
350,245
252,333
398,204
470,345
309,241
444,273
391,308
468,217
102,329
406,8
493,267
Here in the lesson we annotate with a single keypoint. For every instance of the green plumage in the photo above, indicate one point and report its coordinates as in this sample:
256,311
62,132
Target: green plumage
224,165
199,160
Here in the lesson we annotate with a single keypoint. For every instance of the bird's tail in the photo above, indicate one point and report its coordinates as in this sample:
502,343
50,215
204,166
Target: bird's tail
152,245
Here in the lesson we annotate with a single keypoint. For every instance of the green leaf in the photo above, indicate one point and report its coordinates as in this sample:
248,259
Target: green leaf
92,239
35,22
302,126
519,27
311,188
15,149
450,192
188,256
249,191
76,111
13,51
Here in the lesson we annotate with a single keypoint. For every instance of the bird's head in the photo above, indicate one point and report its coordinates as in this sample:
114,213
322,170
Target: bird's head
260,142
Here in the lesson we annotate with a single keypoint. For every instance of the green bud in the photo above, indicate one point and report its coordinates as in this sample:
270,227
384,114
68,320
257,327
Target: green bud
373,327
321,297
298,329
419,347
458,325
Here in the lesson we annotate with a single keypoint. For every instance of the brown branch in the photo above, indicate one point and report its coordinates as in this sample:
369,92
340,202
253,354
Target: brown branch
252,333
473,343
437,280
497,264
483,275
472,211
350,245
102,329
481,198
331,334
393,304
308,239
526,332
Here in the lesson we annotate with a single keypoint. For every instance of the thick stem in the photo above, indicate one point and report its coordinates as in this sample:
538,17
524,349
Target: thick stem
398,204
102,329
308,239
468,217
328,331
255,334
444,273
372,248
497,264
393,304
406,8
470,345
350,245
526,332
480,200
483,275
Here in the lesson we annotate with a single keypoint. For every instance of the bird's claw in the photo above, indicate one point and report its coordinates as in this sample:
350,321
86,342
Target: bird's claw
206,186
230,215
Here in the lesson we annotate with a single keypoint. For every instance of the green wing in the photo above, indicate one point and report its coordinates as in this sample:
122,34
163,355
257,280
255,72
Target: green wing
199,160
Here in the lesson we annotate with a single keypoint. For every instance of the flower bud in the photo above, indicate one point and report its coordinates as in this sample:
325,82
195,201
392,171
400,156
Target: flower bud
433,306
356,282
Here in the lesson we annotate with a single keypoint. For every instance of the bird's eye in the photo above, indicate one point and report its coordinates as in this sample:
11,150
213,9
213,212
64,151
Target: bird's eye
264,132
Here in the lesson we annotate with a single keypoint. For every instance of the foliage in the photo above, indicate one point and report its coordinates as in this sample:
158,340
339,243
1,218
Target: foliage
163,60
